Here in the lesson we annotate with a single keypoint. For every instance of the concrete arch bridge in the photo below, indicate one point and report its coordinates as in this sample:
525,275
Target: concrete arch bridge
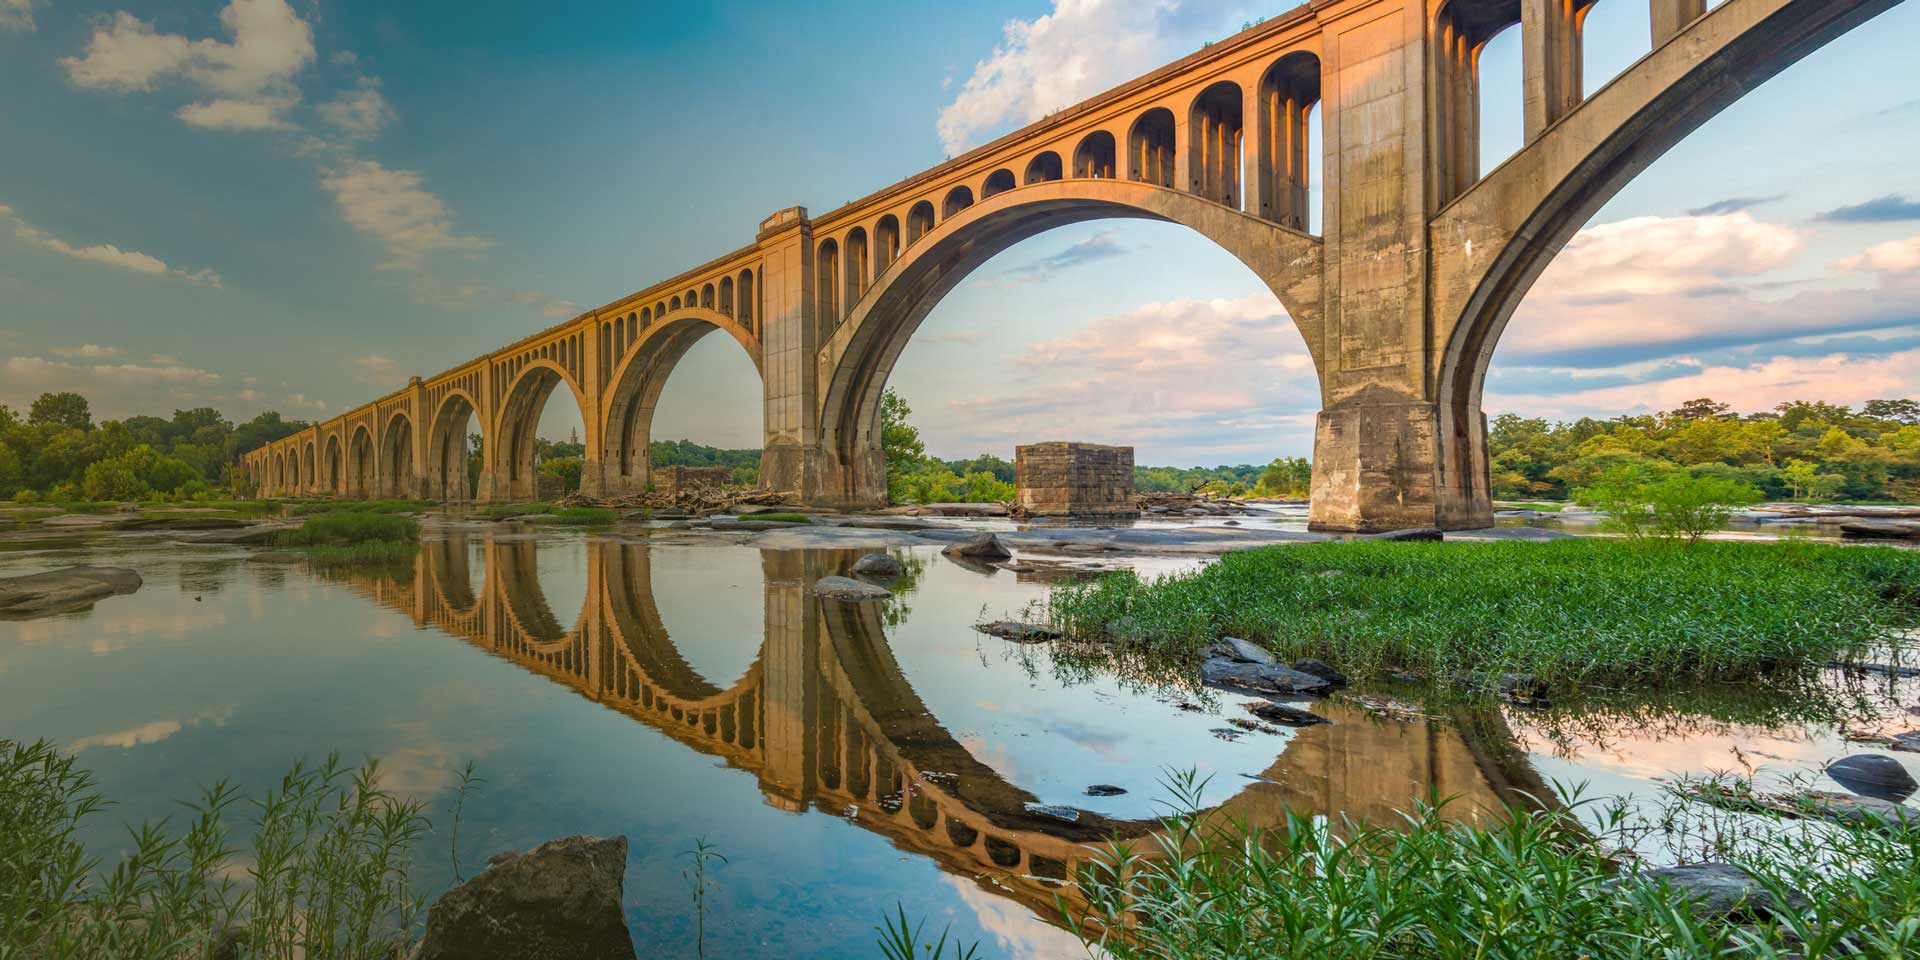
826,719
1401,298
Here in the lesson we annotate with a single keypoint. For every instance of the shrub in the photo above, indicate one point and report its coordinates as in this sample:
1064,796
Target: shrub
348,527
501,511
25,496
112,480
1673,506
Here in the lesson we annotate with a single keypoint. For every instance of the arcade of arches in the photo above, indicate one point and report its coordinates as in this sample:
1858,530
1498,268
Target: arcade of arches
1401,299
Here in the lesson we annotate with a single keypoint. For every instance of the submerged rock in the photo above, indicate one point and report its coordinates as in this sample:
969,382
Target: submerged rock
58,590
877,566
1018,632
983,546
1321,669
1054,812
181,523
1872,775
1105,790
1259,677
252,535
1723,890
559,902
849,590
1881,529
1285,715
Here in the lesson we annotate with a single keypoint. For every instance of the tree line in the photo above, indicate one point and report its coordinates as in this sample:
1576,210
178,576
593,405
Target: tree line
1800,450
56,452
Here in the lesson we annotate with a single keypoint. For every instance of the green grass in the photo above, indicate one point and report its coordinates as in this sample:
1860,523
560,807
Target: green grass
349,527
1542,507
1569,611
779,517
1532,884
501,511
584,516
392,555
363,506
326,874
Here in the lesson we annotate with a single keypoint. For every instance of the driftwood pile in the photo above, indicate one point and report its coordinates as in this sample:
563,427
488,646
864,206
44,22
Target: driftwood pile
701,499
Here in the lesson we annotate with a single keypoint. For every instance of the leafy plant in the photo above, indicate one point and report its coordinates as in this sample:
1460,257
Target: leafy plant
702,854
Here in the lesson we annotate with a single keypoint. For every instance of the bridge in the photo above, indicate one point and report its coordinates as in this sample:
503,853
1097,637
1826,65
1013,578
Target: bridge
1401,299
825,718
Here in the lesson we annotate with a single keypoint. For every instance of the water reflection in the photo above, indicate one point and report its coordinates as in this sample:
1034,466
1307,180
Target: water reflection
825,717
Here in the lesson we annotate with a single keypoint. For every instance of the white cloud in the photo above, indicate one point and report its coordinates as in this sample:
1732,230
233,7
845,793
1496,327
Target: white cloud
1894,256
116,389
249,79
1176,379
105,253
16,16
359,114
375,363
1663,255
86,351
1056,60
552,308
393,207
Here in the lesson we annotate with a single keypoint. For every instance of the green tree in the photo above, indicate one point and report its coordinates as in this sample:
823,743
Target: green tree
112,480
1285,477
900,442
65,409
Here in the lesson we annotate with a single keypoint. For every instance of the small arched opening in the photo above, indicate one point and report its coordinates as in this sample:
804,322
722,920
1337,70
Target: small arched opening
706,296
726,296
1044,168
1150,148
1289,161
826,287
1214,128
958,199
999,181
747,298
1094,158
919,222
886,243
856,274
396,457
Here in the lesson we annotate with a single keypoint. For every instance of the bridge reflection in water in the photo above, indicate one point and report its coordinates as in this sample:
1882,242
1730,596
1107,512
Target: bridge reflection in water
825,717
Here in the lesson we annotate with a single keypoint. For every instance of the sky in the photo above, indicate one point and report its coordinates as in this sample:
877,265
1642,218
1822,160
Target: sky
295,205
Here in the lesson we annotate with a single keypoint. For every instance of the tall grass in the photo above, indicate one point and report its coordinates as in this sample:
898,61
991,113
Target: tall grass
363,506
1569,611
501,511
327,876
349,527
1531,884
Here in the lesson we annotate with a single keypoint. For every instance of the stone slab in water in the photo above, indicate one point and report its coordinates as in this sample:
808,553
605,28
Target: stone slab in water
1259,677
61,590
561,901
848,590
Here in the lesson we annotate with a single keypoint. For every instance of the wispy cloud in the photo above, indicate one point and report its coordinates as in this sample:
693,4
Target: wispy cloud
16,16
1734,205
359,114
1891,208
104,253
86,351
1104,245
395,208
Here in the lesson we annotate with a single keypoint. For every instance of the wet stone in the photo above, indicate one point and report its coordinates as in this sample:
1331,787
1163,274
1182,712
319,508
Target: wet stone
1284,715
1725,890
876,566
561,900
1105,790
984,547
1018,632
1415,534
67,589
1321,669
1873,775
1244,651
1259,677
848,590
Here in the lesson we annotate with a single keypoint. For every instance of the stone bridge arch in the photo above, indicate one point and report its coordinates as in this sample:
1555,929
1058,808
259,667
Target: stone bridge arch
446,466
639,376
859,355
509,450
362,464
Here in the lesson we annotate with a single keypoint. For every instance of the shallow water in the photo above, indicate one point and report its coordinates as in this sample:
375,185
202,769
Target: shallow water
844,759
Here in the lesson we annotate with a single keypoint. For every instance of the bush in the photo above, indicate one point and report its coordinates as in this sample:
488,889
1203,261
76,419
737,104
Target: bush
780,517
1569,611
1673,506
112,480
501,511
25,496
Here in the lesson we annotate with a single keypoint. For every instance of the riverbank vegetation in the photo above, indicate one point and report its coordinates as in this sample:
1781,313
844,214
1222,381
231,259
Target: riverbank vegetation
1577,611
349,538
1799,450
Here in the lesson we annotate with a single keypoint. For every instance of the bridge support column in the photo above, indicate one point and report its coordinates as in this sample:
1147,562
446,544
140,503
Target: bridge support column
1551,52
791,664
1384,460
791,459
1672,16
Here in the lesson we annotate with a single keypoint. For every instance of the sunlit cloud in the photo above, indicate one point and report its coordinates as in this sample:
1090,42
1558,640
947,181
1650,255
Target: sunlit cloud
16,16
395,208
247,80
106,254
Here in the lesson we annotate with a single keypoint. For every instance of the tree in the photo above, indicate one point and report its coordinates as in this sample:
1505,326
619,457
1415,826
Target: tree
112,480
1899,411
63,409
1699,409
900,442
1286,477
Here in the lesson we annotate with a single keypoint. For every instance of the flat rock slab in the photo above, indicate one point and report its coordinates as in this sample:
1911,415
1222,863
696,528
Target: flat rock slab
849,590
1018,632
182,523
1283,715
1882,529
81,521
1259,677
251,535
1722,889
56,591
757,525
562,901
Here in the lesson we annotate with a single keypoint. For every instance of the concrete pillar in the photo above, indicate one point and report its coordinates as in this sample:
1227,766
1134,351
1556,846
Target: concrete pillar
489,433
790,664
592,411
791,459
1551,53
1672,16
414,482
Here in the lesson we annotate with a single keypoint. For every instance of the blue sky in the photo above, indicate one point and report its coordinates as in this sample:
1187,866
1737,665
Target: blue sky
295,205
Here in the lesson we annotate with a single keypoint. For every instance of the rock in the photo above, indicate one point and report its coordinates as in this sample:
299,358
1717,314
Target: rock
984,547
756,525
1722,890
1234,648
1321,669
501,857
1018,632
848,590
70,589
1872,775
1409,535
1284,715
1259,677
181,523
1054,812
1883,669
1105,790
254,535
1868,810
1881,529
80,520
633,516
276,557
559,902
877,566
1908,742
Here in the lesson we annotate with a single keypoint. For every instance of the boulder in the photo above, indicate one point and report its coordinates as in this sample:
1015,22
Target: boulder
1259,677
1286,716
983,547
1873,775
68,589
1410,534
1869,811
181,523
1245,651
1881,529
877,566
1105,790
1321,669
559,902
1018,632
848,590
1725,890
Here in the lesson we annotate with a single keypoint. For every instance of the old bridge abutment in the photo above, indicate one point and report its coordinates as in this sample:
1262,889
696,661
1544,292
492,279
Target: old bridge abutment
1421,260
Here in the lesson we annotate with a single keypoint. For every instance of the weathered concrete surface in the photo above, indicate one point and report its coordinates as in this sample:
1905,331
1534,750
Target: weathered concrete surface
1074,480
561,901
1422,258
57,591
